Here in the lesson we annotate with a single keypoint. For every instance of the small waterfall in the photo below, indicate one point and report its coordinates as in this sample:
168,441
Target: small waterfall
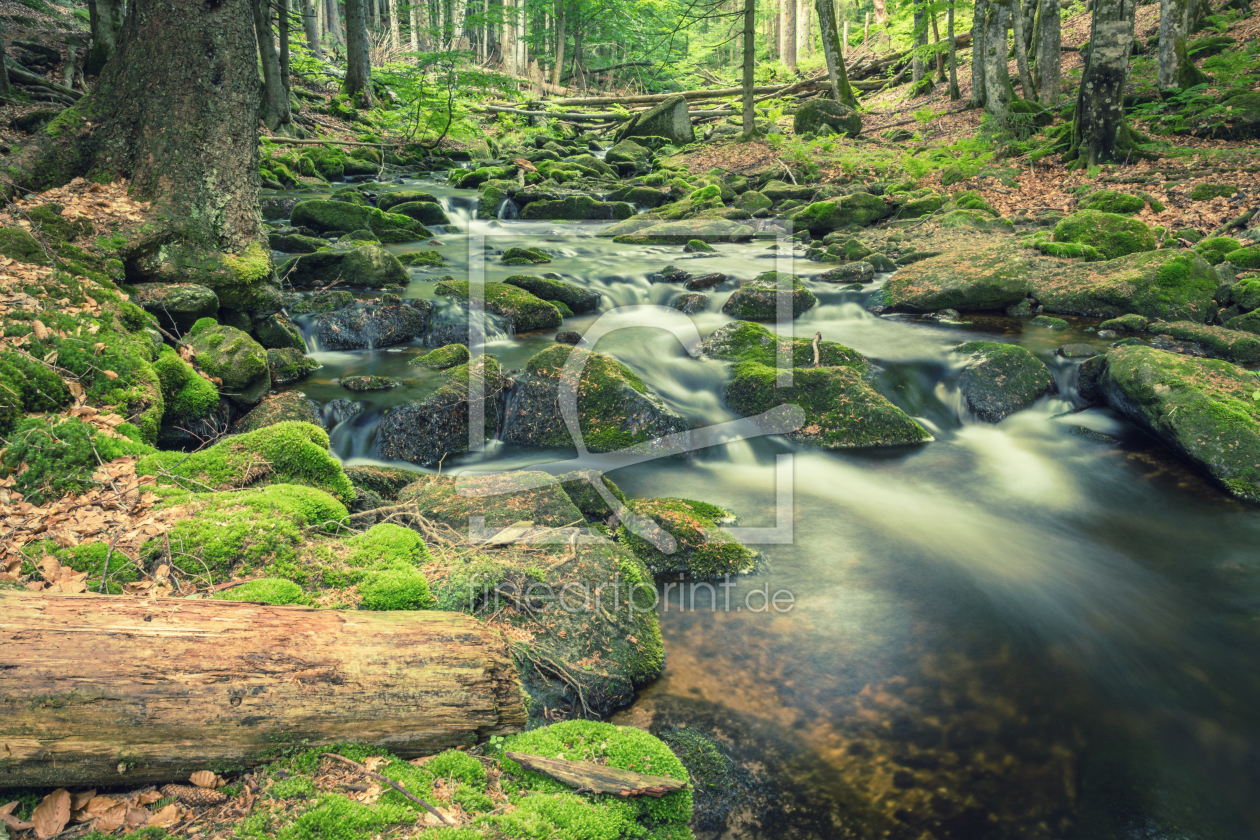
508,210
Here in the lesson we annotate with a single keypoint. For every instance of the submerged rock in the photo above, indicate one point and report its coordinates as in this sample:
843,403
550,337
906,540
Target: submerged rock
1003,379
368,383
442,358
702,549
1204,409
758,299
615,408
426,432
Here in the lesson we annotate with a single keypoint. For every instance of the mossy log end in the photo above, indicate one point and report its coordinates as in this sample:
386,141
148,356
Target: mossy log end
118,691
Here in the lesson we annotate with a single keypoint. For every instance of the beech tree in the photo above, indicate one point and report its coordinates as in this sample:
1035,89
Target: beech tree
275,99
105,17
978,17
1049,59
1099,132
310,23
1176,70
749,115
954,93
1021,52
176,113
841,91
358,81
998,91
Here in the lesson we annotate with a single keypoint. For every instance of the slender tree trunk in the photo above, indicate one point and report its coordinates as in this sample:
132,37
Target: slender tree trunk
106,18
1049,60
881,11
1176,70
954,93
175,113
508,45
413,31
920,39
485,30
804,34
789,33
1029,22
358,81
555,76
978,17
940,53
457,24
750,61
997,82
275,102
395,26
840,89
336,32
321,21
1027,88
285,77
424,39
5,87
1099,134
310,25
374,15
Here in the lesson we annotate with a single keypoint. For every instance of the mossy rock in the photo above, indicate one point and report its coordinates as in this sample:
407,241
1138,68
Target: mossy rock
381,323
853,210
424,212
47,220
227,354
969,278
17,244
389,201
656,232
427,259
1204,409
700,548
1002,379
1248,257
816,113
49,457
1217,248
1231,345
580,487
425,432
1069,250
523,311
443,357
288,406
289,365
577,208
639,196
288,452
328,215
1126,324
386,482
1168,284
393,228
295,243
1049,322
917,208
758,299
325,302
752,201
525,256
615,408
177,306
368,266
502,500
1112,234
368,383
577,299
1206,192
1110,201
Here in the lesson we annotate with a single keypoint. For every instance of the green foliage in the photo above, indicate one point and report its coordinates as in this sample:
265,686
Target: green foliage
266,590
58,456
396,590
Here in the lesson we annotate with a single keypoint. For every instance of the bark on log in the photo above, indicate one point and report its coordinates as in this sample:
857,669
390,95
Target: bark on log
111,690
600,778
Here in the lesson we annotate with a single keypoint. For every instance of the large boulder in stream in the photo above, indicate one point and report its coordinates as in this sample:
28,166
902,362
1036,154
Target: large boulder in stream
577,208
578,300
670,119
758,299
1204,409
426,432
615,408
854,210
367,266
522,311
701,548
656,232
371,326
842,410
346,216
1001,379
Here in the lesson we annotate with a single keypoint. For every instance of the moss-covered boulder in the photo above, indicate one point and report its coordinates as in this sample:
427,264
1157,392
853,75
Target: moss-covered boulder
525,256
1110,201
288,406
628,151
752,201
971,278
779,191
854,210
578,300
189,398
917,208
615,409
655,232
368,266
1204,409
690,303
696,545
523,311
391,228
1250,322
389,201
1206,191
1001,379
176,306
758,299
425,432
1126,324
325,302
837,117
231,356
289,365
444,357
1167,284
295,243
578,208
841,408
424,212
640,196
323,215
17,244
286,453
670,119
470,179
378,324
1248,257
1215,249
1217,342
1112,234
277,331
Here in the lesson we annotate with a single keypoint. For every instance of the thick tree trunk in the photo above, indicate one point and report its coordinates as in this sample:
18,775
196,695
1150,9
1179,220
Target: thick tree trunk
789,33
358,81
106,19
881,11
415,27
1176,70
750,62
507,45
978,17
560,37
997,82
1049,53
286,79
5,87
954,93
1027,89
395,26
310,24
275,101
1099,134
840,89
336,32
176,113
1029,22
164,687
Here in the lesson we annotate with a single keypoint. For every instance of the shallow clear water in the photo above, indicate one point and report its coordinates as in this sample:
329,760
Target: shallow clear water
1012,631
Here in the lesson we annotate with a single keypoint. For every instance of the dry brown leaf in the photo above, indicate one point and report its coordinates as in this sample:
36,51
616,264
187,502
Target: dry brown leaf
41,332
136,816
6,817
203,778
375,761
109,374
52,814
148,797
166,817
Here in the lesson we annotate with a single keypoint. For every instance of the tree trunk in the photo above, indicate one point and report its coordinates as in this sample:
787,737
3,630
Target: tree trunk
166,687
978,17
555,76
336,31
275,101
358,81
413,31
789,33
840,89
1029,22
954,93
106,20
1026,86
374,16
285,76
395,26
457,24
750,61
804,33
425,42
940,54
997,82
507,45
1176,70
310,25
1099,134
920,39
881,11
1049,58
5,87
175,113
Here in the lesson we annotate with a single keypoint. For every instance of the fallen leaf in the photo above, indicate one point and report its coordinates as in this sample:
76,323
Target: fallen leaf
203,778
52,814
109,374
6,817
372,762
148,797
168,816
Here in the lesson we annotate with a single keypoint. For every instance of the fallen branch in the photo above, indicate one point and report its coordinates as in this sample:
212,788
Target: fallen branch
285,141
599,778
378,777
563,115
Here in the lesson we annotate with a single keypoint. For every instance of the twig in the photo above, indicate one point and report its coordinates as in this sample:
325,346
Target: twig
389,782
788,171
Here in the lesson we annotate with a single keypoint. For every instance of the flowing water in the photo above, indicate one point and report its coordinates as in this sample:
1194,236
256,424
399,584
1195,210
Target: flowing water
1017,630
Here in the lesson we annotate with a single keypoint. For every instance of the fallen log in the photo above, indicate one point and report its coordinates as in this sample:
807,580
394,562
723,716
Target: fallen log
560,115
101,690
599,778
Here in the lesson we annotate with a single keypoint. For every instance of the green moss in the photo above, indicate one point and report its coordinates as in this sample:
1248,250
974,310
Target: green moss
522,310
574,297
233,357
1125,323
525,256
431,259
267,591
17,244
703,549
1232,345
396,590
1001,379
1112,234
443,357
286,453
1109,201
577,486
972,200
335,817
1068,250
1206,192
459,766
69,121
188,395
53,457
1216,249
857,209
758,299
113,569
747,341
1245,257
